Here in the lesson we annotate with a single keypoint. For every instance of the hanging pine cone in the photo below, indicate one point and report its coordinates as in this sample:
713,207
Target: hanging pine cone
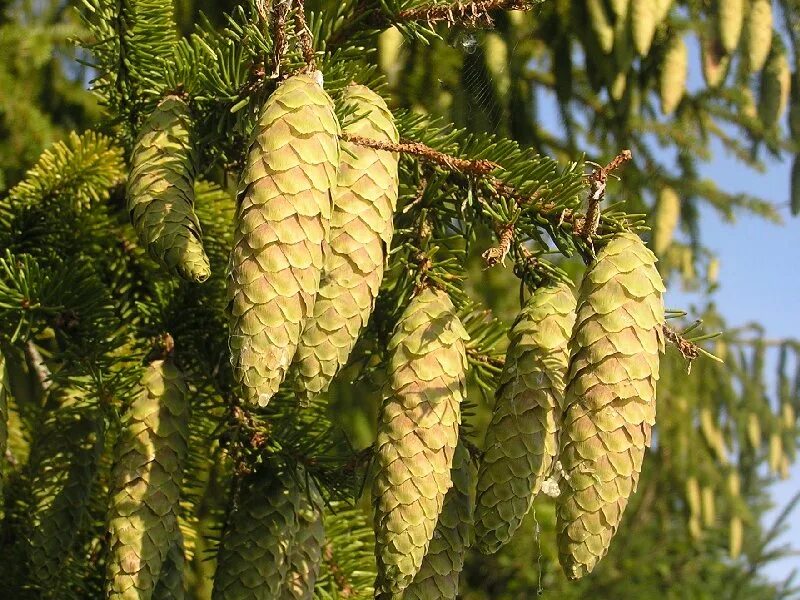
666,215
776,81
361,232
730,16
170,581
146,482
254,553
601,25
66,457
522,438
160,191
644,20
437,578
674,71
305,558
282,223
417,435
715,61
757,35
610,397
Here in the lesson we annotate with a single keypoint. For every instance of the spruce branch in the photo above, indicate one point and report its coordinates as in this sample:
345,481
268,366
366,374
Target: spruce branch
304,36
475,14
280,41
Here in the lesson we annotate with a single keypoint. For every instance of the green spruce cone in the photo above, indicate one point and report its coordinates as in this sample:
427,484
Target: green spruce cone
644,20
282,224
67,459
674,72
610,397
774,91
757,35
161,191
361,232
146,482
437,578
417,435
730,17
522,438
170,581
305,558
601,25
254,553
666,216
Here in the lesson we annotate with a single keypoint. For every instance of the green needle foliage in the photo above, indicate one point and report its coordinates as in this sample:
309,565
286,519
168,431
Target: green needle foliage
117,378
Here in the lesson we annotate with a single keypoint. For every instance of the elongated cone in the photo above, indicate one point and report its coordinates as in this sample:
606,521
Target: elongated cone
601,25
736,533
146,482
693,497
437,578
620,8
776,453
417,435
644,20
305,558
674,71
253,559
170,581
709,506
66,457
730,17
754,431
662,9
757,35
522,438
161,191
360,236
610,396
776,81
666,215
715,61
282,223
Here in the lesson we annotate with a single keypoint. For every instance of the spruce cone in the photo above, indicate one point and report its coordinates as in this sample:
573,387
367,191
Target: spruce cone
305,558
610,396
644,20
161,192
601,25
730,16
170,581
437,579
417,435
146,483
757,35
715,61
674,72
522,439
282,224
666,215
253,559
361,232
776,81
67,456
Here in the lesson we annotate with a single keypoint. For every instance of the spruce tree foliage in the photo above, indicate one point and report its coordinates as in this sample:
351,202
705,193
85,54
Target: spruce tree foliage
84,308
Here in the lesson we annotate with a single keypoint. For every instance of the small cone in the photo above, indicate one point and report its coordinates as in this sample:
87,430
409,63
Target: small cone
644,20
757,35
730,17
776,80
674,71
666,215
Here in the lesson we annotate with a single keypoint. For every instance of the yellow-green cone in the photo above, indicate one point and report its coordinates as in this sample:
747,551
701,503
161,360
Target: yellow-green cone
417,436
620,8
437,578
161,191
361,232
662,9
66,458
757,35
674,71
146,483
610,397
776,81
522,438
666,215
730,16
253,559
644,20
601,25
305,558
715,61
170,582
282,224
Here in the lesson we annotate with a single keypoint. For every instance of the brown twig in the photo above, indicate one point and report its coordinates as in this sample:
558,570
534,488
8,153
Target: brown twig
280,42
497,255
597,191
688,350
304,36
460,165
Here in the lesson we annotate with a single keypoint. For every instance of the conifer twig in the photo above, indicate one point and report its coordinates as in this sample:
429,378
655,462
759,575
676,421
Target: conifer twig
304,36
280,43
497,254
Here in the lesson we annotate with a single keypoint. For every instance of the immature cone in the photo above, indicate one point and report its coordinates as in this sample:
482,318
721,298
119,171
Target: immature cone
644,20
666,215
757,35
146,482
610,397
305,558
66,456
417,435
674,71
730,16
282,223
437,578
361,232
776,81
160,191
715,61
522,438
620,8
662,9
601,26
253,559
170,582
